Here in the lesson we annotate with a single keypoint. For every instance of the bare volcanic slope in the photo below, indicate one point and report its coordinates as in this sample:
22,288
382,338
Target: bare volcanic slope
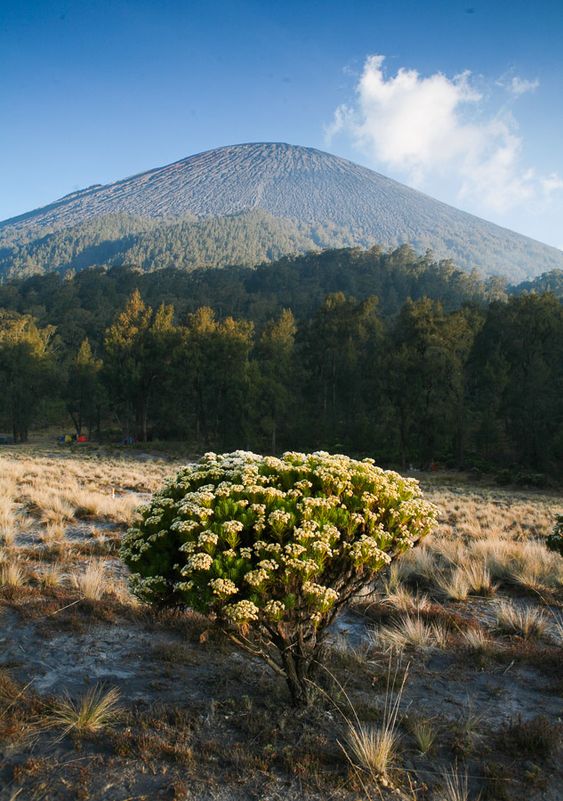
302,185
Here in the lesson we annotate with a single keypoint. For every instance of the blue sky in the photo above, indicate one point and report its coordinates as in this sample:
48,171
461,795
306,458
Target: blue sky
463,100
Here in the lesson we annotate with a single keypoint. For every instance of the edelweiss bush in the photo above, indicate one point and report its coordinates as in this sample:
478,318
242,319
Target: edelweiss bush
273,548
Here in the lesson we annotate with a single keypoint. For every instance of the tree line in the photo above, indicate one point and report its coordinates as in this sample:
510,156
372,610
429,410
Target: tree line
480,384
85,303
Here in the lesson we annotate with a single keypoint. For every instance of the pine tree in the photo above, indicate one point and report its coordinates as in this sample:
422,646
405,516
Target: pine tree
26,365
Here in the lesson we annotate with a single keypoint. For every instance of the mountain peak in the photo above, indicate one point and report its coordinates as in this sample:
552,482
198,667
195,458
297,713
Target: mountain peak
305,185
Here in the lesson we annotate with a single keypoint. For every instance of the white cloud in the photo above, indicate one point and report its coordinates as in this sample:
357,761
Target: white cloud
519,86
551,183
434,129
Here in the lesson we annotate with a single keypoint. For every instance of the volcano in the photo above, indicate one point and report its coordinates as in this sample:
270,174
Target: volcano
318,199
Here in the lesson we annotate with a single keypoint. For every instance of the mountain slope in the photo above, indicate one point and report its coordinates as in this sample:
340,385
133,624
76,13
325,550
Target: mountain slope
187,243
298,184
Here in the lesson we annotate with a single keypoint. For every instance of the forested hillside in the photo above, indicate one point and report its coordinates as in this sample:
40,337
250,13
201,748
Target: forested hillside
186,244
248,203
84,304
387,354
548,282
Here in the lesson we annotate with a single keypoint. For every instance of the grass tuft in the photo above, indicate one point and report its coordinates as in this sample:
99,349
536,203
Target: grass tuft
96,710
456,786
454,585
92,582
425,735
11,575
529,623
476,640
478,578
411,632
372,748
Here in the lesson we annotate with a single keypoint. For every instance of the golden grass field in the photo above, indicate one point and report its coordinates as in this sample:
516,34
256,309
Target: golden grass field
443,683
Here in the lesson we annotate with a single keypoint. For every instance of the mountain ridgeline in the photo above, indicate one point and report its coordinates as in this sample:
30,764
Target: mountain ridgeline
247,204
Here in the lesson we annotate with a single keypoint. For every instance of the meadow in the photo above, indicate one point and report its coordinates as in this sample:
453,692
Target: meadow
443,682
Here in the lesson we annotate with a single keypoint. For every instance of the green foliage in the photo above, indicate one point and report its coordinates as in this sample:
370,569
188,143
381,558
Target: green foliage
342,356
273,548
276,402
551,281
213,376
426,378
516,381
84,304
555,540
138,348
26,367
83,391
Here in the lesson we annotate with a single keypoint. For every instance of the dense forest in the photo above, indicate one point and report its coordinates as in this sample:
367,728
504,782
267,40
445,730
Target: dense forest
388,354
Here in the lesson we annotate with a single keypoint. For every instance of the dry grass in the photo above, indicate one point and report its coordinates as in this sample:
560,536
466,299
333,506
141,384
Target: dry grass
472,513
8,524
404,600
45,497
420,563
96,710
453,585
57,490
471,578
478,578
411,632
73,507
51,505
373,748
456,786
89,502
497,555
485,540
52,533
529,623
476,640
72,511
535,568
51,576
12,521
91,583
12,575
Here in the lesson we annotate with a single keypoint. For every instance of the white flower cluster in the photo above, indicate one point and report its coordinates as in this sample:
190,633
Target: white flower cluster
232,526
223,587
256,578
321,597
279,520
274,610
241,613
265,528
366,552
207,539
199,561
